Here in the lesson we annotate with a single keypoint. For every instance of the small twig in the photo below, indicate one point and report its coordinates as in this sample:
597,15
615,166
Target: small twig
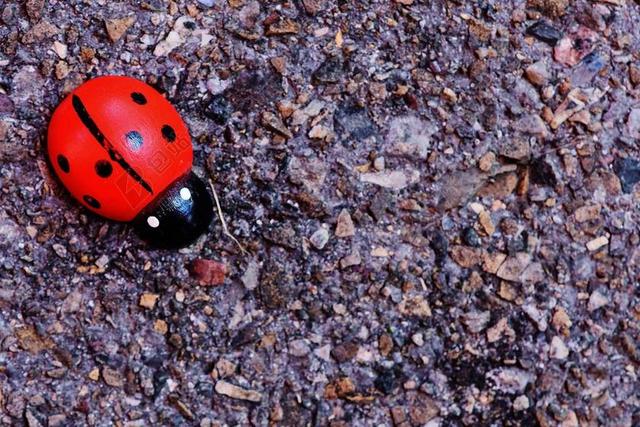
224,223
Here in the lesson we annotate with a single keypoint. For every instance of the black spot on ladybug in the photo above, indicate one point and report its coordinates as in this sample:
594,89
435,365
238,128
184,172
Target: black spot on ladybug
104,168
134,139
138,98
91,201
86,119
168,133
63,163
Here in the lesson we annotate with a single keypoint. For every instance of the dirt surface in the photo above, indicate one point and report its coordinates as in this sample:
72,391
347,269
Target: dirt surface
436,199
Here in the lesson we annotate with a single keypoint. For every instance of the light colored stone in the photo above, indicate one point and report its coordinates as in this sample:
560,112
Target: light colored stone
148,300
597,243
235,392
484,218
510,380
537,316
250,276
491,262
112,377
513,267
476,321
533,274
380,252
395,180
596,301
558,349
415,306
344,226
496,332
571,420
537,73
94,375
320,238
418,339
118,26
410,136
224,368
323,353
466,256
172,41
299,348
449,95
521,403
161,327
560,319
60,49
350,260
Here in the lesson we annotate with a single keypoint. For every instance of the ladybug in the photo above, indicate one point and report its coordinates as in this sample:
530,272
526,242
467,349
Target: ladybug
124,152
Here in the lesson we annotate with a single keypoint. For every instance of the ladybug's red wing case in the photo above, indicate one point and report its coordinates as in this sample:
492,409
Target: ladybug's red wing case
124,152
116,144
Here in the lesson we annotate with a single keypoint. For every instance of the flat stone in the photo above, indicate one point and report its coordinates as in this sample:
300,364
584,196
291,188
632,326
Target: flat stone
521,403
350,260
491,261
395,180
208,272
542,31
235,392
410,136
466,256
415,306
587,213
597,243
344,225
172,41
513,267
560,319
596,301
148,300
299,348
552,8
537,316
112,377
558,349
459,186
476,321
537,73
274,124
510,380
628,171
532,124
251,275
118,26
345,352
283,27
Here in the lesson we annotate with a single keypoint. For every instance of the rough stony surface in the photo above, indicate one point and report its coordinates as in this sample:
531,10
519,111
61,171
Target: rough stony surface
438,203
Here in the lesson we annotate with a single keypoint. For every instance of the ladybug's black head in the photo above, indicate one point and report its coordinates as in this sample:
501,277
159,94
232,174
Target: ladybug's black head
178,216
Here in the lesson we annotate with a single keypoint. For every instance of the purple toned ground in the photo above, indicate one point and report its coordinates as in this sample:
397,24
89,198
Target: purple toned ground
437,201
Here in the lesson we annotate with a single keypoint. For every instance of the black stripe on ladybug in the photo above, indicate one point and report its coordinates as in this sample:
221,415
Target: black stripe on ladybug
88,122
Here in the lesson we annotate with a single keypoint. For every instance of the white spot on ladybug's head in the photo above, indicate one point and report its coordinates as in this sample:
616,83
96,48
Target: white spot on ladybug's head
185,194
153,222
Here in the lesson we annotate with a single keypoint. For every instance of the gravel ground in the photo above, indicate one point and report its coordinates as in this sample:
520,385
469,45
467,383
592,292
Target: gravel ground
435,199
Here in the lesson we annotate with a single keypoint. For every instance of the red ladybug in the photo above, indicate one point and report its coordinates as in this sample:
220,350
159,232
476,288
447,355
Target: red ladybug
124,152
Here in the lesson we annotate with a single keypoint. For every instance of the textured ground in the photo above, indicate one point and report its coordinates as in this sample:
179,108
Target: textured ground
438,209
